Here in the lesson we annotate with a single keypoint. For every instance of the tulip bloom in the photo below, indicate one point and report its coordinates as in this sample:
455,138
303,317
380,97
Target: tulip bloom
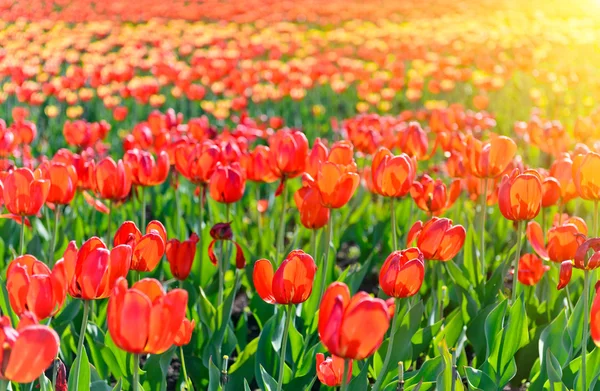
581,261
113,180
288,151
180,255
227,183
145,171
531,269
197,162
595,317
563,239
292,283
313,215
413,140
585,175
318,154
33,287
432,196
148,249
402,273
27,351
335,185
343,320
256,165
24,191
63,182
184,334
330,370
489,159
437,239
562,170
220,232
550,191
393,175
93,270
145,319
520,195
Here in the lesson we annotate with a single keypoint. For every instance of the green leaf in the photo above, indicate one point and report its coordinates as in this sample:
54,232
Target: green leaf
243,368
81,366
444,378
214,383
45,383
118,386
554,368
360,382
269,382
479,380
156,368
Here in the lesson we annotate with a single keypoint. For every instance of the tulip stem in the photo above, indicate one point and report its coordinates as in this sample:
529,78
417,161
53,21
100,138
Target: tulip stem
394,232
109,218
586,325
177,208
345,376
84,321
200,222
328,228
136,372
22,248
185,376
520,226
390,347
286,330
143,211
54,234
483,217
4,384
596,219
313,243
281,232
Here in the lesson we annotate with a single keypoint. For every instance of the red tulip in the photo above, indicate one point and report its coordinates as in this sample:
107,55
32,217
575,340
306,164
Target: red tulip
437,239
180,255
256,165
222,231
412,140
402,273
145,319
344,319
292,283
184,334
531,269
33,287
432,196
113,180
392,175
227,183
520,195
197,162
313,215
145,171
289,149
490,159
595,317
93,270
148,249
24,191
330,371
581,261
563,240
27,351
63,182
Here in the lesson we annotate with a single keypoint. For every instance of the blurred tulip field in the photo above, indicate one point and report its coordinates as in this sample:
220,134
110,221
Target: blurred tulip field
351,195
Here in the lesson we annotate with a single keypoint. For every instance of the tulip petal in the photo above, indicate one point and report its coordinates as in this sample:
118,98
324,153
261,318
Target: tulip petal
33,352
262,276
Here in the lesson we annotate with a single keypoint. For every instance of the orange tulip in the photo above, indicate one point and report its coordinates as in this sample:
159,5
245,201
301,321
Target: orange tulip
412,140
227,183
437,239
145,171
490,159
33,287
585,175
531,269
318,154
344,319
562,170
292,283
256,165
180,255
148,249
432,196
27,351
84,166
197,162
145,319
289,149
24,191
402,273
392,175
184,334
63,182
313,215
113,180
550,191
93,270
563,239
330,370
520,195
222,231
595,317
